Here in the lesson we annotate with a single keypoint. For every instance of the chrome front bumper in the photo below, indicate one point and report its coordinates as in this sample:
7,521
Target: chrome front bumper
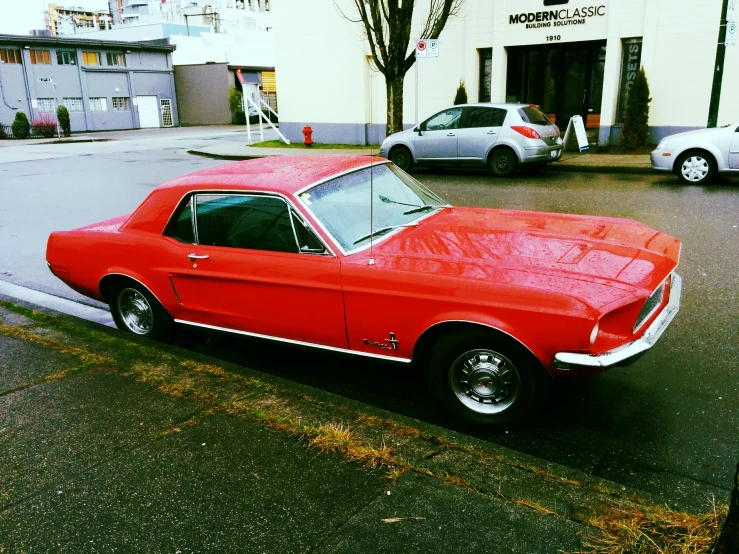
622,354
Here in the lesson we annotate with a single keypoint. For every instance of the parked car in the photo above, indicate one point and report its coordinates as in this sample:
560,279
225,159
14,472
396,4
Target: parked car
493,303
502,137
696,156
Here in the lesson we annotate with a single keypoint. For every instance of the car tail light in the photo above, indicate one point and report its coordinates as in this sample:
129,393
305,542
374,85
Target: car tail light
528,132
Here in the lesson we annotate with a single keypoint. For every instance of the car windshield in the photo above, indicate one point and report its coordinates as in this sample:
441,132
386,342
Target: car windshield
342,205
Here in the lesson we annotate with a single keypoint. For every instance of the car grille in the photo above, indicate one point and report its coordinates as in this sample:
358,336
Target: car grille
650,306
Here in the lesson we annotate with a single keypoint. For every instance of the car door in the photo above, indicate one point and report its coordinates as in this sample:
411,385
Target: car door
734,150
479,131
437,141
248,273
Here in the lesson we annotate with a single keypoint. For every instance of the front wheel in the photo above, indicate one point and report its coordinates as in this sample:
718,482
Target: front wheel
695,168
401,157
136,311
503,162
484,378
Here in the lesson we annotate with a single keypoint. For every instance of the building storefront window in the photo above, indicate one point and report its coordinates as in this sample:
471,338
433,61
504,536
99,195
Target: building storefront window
564,79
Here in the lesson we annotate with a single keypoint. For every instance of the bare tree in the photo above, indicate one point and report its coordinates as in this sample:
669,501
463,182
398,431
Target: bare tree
387,26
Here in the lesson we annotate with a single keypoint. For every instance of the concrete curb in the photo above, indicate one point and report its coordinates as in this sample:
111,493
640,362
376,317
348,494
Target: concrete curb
551,167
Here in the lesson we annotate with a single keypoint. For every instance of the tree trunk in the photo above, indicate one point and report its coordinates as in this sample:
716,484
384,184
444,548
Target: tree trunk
394,85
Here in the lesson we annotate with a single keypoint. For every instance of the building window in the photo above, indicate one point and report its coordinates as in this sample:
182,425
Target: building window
486,71
120,103
40,57
73,104
46,105
116,59
98,104
66,57
10,55
91,58
165,105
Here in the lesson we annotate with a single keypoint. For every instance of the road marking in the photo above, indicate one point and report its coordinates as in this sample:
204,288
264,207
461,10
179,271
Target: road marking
56,303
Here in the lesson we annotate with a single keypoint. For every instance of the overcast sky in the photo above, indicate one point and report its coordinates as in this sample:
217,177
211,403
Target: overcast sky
20,16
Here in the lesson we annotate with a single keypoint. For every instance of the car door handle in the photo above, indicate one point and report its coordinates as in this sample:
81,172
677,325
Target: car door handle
451,134
193,257
492,132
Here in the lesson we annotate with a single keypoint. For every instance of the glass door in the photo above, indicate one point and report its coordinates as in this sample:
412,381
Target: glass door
574,86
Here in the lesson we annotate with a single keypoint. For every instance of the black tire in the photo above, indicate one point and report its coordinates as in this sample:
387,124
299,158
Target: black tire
510,381
136,311
401,157
503,162
700,167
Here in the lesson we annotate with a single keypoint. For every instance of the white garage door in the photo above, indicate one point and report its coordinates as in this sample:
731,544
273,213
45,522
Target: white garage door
148,111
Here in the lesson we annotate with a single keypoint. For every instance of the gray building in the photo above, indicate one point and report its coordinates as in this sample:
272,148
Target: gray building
105,85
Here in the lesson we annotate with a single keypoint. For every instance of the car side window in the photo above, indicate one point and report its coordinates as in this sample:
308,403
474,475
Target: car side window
243,221
448,119
477,117
307,241
497,117
180,226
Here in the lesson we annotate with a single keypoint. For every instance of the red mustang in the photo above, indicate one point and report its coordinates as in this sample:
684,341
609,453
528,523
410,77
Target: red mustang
493,302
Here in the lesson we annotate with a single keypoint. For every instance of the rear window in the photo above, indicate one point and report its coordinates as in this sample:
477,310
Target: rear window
534,116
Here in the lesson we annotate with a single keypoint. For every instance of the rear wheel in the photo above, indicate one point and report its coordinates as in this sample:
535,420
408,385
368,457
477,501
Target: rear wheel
503,162
695,167
401,157
136,311
484,378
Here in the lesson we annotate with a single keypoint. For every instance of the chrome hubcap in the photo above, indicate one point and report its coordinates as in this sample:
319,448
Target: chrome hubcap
485,381
135,311
695,168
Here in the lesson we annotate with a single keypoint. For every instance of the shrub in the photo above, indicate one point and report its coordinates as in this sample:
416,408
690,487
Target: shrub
461,97
635,131
44,126
62,115
3,132
236,105
21,127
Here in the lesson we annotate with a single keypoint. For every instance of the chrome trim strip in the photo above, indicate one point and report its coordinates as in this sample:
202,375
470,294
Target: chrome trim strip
296,342
653,310
567,360
252,193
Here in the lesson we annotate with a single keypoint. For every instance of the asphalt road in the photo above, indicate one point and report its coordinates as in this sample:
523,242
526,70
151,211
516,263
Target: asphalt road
668,424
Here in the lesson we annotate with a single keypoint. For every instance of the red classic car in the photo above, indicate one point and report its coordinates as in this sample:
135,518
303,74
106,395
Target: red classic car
493,302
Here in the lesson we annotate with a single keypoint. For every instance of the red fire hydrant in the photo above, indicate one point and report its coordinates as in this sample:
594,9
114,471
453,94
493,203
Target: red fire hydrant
307,133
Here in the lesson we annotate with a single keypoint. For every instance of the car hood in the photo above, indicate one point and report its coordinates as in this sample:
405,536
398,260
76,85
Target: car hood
618,252
700,132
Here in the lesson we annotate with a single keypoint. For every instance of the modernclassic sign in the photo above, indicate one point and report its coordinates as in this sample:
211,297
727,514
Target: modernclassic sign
557,18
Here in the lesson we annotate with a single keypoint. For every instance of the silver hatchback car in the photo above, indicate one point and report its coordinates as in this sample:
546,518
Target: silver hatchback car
499,136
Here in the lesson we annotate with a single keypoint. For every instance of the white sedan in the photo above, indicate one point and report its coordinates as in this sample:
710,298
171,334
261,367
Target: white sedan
696,156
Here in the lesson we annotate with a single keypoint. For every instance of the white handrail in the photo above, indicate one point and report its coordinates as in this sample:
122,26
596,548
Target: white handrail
251,102
267,106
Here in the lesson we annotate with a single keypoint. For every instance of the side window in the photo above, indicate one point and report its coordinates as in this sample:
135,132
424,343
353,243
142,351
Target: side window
477,117
448,119
497,117
307,241
241,221
180,227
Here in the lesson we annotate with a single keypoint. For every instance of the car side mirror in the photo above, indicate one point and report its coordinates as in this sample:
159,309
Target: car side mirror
418,130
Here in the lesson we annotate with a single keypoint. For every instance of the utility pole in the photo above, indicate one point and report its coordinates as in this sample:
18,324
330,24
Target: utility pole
718,68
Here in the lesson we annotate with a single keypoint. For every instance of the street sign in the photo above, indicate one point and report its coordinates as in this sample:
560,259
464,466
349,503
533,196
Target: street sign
730,33
421,49
433,48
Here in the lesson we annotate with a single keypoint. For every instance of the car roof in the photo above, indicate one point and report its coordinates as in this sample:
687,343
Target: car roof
282,174
495,105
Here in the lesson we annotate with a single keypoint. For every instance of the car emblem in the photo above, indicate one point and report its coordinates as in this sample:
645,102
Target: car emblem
393,343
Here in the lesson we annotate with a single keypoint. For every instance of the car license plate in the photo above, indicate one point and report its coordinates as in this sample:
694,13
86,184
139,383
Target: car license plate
554,153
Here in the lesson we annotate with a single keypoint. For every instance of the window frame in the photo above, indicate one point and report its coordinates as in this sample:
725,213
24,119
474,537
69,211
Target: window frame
292,211
127,102
85,56
77,101
44,103
91,102
119,56
44,54
15,52
71,54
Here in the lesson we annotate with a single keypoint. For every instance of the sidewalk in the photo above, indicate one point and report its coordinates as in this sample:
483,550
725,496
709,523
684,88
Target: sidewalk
113,443
571,161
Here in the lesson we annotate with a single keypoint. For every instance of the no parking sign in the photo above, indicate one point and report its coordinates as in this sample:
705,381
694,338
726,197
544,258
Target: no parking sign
421,49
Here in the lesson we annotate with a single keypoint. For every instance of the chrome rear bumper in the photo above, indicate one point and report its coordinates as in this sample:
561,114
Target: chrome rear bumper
624,353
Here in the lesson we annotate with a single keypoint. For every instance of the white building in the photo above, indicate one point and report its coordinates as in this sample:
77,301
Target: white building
569,57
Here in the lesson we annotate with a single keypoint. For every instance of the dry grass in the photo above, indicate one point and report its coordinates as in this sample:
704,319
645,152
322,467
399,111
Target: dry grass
335,437
654,530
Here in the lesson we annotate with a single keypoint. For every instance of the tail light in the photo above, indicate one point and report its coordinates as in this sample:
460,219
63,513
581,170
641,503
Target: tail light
528,132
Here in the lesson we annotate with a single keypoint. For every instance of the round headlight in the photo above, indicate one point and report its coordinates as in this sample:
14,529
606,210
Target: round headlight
662,143
594,334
